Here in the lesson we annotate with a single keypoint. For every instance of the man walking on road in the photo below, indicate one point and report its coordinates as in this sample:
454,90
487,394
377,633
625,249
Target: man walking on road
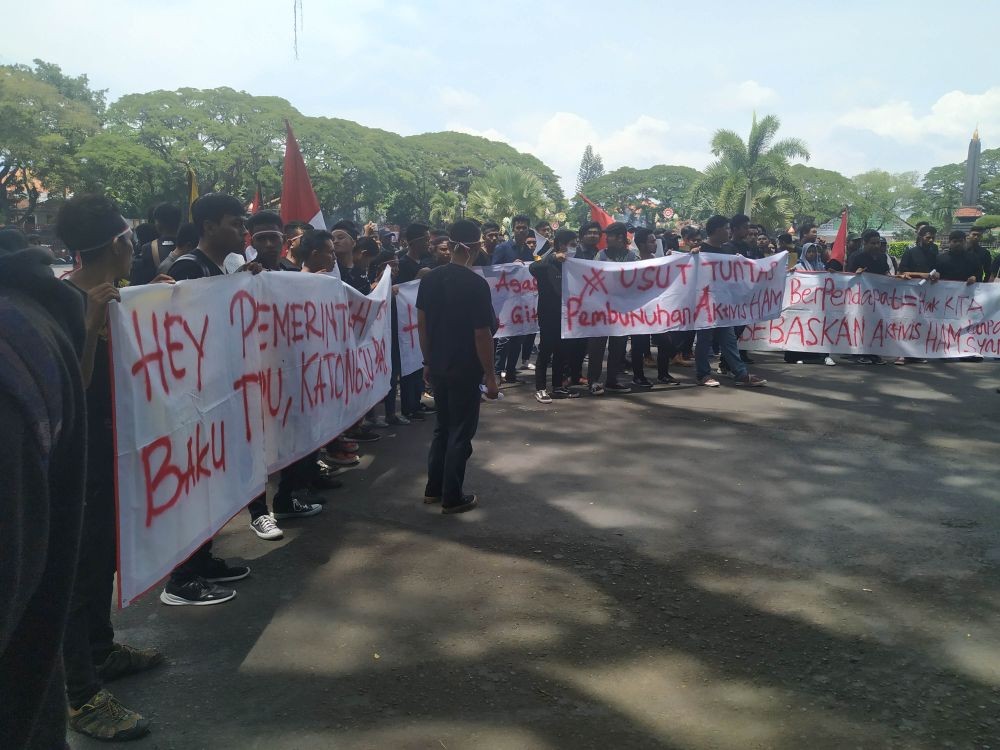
456,322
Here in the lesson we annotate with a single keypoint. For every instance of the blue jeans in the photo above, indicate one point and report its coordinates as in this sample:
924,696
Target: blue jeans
727,346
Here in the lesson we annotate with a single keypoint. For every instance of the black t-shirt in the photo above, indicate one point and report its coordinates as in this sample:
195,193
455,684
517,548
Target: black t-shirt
985,259
197,266
456,302
877,264
284,264
100,414
408,269
918,259
145,266
958,266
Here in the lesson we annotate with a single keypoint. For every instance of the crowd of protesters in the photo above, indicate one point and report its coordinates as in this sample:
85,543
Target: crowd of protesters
57,642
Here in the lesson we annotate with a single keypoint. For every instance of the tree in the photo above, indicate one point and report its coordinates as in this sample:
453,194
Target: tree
822,193
591,167
446,208
506,191
941,192
882,198
989,221
642,192
134,176
40,131
76,89
744,168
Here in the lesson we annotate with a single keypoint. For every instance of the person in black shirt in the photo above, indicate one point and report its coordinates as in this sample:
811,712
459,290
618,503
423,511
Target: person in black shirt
552,348
975,249
957,263
92,227
219,219
919,260
456,322
145,267
491,238
345,236
576,349
411,263
43,413
870,258
294,231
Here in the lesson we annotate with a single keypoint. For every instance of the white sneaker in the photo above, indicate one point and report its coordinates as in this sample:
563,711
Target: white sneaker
266,528
528,365
828,361
543,397
380,422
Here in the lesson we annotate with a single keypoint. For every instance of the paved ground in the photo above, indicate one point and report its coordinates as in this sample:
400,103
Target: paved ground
810,565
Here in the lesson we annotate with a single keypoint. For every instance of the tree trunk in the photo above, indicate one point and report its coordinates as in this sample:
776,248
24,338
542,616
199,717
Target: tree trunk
746,200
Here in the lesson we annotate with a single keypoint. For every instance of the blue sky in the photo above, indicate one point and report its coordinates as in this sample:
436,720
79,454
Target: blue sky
865,84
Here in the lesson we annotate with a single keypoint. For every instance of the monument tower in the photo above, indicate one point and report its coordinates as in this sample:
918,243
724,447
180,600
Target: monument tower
970,210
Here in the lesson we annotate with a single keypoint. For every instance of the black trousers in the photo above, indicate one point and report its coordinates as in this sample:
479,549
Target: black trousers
665,351
552,348
194,566
508,351
457,402
576,350
296,476
89,634
595,357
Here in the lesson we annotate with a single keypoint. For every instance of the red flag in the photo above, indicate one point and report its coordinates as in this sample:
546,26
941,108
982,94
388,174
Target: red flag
298,199
256,203
599,215
839,251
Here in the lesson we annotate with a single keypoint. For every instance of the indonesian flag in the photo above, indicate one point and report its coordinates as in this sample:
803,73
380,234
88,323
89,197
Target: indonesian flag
839,250
599,215
298,199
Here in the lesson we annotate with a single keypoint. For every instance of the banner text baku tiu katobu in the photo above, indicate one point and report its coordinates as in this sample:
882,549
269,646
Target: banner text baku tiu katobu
219,382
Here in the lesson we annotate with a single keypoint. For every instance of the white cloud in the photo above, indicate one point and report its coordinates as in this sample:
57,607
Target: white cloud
954,115
747,95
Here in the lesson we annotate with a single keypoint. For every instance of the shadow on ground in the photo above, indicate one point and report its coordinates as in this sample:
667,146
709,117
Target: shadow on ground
808,565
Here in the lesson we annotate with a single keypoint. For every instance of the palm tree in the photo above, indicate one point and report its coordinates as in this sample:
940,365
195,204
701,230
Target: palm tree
445,207
505,191
744,169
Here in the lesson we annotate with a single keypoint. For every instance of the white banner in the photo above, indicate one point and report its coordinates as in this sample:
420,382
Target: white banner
515,302
515,298
219,382
411,357
827,313
681,292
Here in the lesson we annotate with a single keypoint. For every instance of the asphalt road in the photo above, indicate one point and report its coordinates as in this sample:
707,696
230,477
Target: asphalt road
809,565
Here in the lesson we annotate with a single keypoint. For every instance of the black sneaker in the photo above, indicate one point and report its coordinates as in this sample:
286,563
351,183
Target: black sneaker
218,571
616,388
468,503
565,393
668,380
641,383
197,592
296,509
417,415
361,435
425,409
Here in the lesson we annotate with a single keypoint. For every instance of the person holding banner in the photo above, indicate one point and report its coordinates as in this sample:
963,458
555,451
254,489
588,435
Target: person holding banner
514,250
411,387
576,349
717,235
92,228
456,324
869,259
219,219
616,236
552,348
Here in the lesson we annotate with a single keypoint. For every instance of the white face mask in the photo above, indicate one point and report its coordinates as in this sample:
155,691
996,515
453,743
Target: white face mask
571,249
